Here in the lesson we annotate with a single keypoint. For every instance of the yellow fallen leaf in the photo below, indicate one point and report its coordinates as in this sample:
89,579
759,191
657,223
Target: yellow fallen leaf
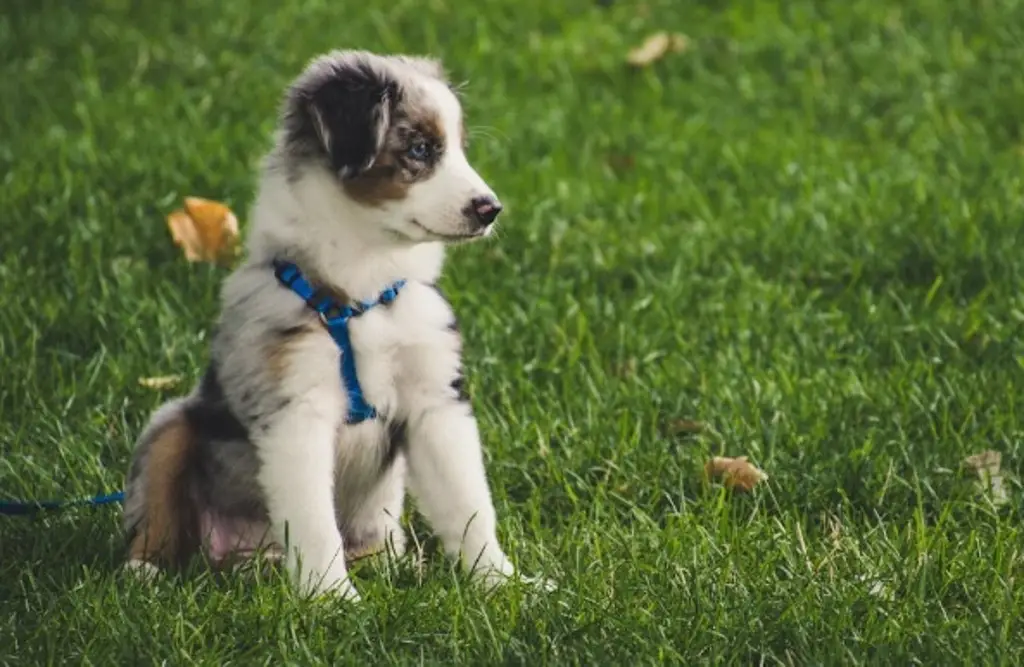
680,426
183,232
678,43
657,46
627,368
735,472
206,230
160,382
990,479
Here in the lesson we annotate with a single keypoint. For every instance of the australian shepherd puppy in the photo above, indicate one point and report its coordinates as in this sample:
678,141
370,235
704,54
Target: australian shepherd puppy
365,185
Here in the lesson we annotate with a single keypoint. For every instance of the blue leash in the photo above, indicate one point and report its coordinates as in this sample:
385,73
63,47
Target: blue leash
335,317
23,508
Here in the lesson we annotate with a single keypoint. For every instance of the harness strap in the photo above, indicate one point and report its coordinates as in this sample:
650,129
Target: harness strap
335,317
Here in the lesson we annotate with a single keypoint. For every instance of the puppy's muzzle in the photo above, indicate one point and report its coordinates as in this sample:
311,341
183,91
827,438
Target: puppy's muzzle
483,211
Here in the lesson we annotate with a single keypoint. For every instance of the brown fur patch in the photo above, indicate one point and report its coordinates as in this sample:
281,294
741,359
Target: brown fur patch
394,171
382,183
168,533
429,124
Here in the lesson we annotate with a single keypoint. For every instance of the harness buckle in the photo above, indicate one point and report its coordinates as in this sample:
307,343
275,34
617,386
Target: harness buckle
334,314
331,316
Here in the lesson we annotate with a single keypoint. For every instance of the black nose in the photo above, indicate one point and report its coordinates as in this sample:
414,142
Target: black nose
484,209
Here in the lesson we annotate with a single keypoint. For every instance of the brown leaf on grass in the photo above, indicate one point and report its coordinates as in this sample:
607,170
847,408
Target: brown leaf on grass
626,369
735,473
206,230
990,479
621,162
656,47
160,381
680,426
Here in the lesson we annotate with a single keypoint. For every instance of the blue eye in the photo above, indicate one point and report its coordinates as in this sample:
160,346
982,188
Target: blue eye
419,150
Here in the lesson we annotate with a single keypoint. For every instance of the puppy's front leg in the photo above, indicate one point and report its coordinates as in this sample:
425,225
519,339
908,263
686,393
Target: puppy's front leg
297,475
447,478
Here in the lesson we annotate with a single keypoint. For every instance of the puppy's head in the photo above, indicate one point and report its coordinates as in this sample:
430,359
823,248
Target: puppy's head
389,131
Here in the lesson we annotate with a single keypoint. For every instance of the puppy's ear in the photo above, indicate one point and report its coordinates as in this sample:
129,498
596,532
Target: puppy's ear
342,103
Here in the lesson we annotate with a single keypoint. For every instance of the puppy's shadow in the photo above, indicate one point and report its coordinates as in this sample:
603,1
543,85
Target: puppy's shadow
50,552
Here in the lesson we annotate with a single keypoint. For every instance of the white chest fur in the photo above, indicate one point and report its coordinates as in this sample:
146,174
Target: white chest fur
406,355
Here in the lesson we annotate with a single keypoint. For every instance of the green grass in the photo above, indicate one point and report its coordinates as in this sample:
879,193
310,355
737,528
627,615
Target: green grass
806,231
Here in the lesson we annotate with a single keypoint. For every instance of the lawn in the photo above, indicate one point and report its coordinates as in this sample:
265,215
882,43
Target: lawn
805,232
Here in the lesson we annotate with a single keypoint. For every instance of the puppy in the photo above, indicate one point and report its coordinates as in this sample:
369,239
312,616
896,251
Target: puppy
366,184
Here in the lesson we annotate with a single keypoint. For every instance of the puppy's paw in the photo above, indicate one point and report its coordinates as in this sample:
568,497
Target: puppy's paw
504,574
491,572
330,585
501,572
536,584
141,570
344,590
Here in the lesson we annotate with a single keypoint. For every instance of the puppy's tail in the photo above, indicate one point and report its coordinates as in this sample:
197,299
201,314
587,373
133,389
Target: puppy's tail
160,513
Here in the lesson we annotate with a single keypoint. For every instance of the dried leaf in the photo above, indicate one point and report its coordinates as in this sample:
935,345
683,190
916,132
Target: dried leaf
990,479
626,369
160,382
735,472
206,230
679,43
656,47
679,426
621,162
835,528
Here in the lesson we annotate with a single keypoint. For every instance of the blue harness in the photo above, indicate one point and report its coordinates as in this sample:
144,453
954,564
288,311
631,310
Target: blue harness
335,317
